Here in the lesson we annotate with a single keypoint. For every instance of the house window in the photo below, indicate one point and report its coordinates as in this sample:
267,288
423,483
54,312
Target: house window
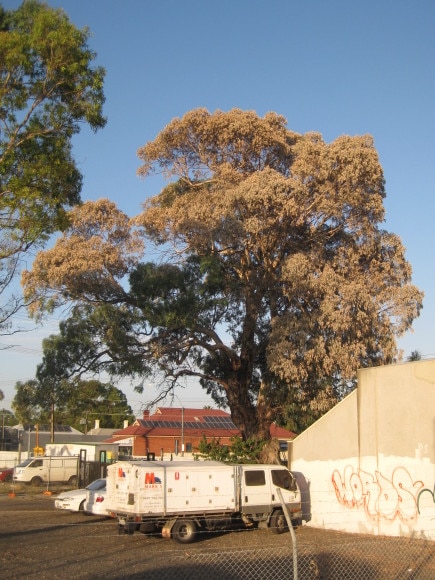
188,447
125,451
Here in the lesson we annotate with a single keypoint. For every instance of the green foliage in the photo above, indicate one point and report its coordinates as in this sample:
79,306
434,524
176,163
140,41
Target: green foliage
240,450
76,403
7,418
48,88
27,406
92,399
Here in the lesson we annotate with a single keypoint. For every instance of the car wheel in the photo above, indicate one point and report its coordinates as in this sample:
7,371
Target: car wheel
36,481
184,531
9,478
278,522
73,480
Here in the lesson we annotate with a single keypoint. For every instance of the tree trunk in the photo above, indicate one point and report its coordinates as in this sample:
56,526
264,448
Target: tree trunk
243,412
253,420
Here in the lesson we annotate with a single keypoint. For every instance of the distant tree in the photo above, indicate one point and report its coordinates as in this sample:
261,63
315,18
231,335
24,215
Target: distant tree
275,282
53,394
48,89
76,403
414,356
28,406
8,417
92,399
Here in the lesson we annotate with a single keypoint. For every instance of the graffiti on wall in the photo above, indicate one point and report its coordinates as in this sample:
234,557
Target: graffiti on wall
426,503
379,496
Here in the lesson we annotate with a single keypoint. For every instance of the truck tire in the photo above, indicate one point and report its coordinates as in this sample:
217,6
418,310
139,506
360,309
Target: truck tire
184,531
278,523
73,480
36,481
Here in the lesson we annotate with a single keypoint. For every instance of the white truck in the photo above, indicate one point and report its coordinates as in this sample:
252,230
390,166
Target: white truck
180,499
47,469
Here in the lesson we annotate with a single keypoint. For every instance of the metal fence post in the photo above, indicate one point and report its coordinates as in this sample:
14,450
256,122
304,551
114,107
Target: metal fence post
292,533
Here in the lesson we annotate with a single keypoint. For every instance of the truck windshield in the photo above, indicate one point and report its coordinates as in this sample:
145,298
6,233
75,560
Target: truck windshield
283,478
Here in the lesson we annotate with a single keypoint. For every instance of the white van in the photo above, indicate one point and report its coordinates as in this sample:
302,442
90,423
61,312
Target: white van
47,469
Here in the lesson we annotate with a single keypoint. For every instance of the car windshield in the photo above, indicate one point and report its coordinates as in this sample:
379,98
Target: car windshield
26,462
97,484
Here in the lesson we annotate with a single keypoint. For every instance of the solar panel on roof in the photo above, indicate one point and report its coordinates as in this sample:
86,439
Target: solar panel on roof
221,422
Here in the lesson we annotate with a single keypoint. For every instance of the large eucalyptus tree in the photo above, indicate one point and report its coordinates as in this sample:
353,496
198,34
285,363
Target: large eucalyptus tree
275,282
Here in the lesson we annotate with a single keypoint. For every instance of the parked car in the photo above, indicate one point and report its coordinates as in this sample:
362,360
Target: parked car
6,474
95,500
89,500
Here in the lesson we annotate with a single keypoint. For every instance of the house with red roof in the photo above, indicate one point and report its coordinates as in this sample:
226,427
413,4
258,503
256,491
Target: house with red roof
172,431
176,432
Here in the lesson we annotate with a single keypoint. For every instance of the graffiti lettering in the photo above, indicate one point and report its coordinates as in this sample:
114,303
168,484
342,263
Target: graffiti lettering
376,494
426,503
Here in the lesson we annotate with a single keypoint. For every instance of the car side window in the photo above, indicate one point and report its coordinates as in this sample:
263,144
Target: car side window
255,477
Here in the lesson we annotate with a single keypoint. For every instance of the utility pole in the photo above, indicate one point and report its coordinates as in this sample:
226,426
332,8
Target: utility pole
3,432
182,431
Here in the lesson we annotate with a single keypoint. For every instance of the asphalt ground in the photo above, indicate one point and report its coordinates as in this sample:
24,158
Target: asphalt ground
38,541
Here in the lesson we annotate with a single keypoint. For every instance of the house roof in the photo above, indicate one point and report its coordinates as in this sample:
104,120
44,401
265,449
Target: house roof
277,432
170,421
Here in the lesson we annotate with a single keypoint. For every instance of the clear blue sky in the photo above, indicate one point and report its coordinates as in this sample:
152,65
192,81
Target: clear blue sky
336,67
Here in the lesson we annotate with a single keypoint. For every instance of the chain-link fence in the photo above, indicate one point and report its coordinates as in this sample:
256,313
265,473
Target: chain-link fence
360,559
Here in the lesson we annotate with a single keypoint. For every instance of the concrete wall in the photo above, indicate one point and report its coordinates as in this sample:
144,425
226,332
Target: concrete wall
368,466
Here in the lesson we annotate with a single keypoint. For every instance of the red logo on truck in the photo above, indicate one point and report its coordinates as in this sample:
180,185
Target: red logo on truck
151,480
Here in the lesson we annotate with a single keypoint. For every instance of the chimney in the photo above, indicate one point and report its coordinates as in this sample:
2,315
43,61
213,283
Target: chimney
97,423
146,414
125,423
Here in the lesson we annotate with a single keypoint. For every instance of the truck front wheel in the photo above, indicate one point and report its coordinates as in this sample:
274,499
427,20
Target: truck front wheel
184,531
278,523
36,481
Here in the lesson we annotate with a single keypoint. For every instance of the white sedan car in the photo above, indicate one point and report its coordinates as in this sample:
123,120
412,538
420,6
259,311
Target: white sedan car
89,500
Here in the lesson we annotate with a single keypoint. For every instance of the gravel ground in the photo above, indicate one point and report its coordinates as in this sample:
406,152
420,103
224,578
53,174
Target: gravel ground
37,541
